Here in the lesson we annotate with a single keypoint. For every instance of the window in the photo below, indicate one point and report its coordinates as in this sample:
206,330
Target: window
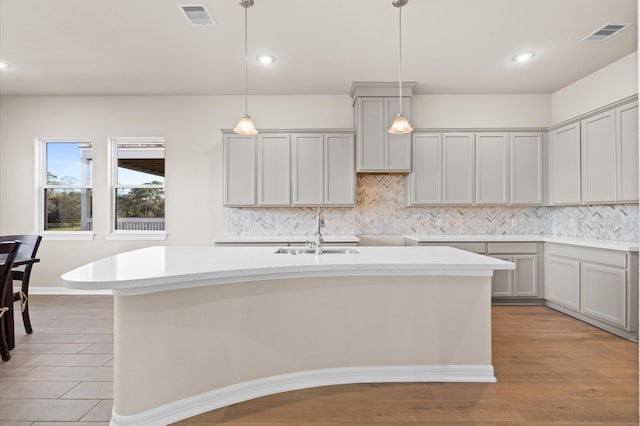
138,185
66,183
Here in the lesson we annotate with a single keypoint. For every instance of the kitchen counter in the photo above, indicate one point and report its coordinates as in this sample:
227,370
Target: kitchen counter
584,242
285,239
199,328
164,268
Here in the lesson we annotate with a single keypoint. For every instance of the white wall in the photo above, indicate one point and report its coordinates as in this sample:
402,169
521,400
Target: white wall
191,126
616,81
469,111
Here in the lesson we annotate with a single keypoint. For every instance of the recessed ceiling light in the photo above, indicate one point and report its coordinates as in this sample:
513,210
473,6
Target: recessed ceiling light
524,57
3,65
266,59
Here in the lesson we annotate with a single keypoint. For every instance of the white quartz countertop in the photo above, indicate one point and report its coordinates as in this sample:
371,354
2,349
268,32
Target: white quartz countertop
328,239
585,242
163,268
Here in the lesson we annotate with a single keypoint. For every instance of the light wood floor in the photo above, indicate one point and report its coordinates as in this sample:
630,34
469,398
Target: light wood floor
551,370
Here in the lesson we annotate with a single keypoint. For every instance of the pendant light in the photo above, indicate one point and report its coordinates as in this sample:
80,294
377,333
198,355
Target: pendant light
245,125
400,124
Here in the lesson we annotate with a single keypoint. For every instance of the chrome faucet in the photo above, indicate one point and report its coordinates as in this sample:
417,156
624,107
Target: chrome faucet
319,240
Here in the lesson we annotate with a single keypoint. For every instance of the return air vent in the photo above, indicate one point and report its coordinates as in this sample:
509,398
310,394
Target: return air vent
604,32
197,15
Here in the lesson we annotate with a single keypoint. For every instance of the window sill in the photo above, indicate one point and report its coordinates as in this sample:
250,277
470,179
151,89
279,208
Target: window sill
68,236
136,236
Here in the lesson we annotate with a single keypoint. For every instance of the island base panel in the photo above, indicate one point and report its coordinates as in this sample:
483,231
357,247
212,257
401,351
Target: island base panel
185,345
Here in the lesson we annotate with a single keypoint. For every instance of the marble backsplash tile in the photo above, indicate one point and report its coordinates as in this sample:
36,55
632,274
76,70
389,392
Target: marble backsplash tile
380,210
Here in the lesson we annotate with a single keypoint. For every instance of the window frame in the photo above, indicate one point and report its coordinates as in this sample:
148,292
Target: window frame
43,186
118,234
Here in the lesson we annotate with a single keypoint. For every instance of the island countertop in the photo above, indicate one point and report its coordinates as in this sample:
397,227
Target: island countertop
162,268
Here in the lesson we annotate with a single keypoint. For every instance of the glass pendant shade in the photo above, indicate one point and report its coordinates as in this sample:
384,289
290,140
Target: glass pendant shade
245,126
400,126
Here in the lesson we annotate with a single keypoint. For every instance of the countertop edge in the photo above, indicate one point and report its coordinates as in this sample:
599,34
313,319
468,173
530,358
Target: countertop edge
632,246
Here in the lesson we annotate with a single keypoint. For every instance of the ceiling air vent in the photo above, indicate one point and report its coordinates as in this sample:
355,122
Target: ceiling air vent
604,32
197,15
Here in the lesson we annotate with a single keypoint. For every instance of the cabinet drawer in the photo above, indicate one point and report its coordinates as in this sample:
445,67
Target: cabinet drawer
470,246
589,254
511,248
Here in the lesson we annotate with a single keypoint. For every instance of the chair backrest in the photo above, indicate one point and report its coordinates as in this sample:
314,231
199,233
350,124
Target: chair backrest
29,246
8,253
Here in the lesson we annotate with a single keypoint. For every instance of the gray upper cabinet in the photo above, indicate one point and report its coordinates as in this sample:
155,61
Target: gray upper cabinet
239,170
307,161
598,158
627,152
458,168
339,170
424,183
564,165
274,170
525,168
492,168
377,149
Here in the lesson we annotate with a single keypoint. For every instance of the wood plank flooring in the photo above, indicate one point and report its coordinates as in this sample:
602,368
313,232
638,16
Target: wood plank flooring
551,370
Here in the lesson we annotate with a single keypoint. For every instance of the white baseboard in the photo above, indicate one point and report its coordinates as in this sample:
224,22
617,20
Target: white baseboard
67,291
234,394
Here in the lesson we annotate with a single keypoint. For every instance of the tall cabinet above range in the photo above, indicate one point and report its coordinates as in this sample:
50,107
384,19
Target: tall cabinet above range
375,107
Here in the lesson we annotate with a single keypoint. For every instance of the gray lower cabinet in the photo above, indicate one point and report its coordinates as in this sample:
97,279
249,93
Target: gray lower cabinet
562,281
522,282
595,285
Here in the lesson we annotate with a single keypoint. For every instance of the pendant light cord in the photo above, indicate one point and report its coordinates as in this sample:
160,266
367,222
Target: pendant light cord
400,61
246,61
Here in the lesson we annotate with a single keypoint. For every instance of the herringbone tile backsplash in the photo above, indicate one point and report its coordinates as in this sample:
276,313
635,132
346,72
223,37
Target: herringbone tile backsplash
381,210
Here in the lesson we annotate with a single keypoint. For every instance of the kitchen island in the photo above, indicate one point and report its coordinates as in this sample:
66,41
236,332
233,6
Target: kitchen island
199,328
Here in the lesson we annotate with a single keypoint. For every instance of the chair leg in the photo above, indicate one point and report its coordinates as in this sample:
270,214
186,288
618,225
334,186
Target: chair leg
4,347
25,318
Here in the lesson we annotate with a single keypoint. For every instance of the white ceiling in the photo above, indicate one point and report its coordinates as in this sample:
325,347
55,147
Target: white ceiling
60,47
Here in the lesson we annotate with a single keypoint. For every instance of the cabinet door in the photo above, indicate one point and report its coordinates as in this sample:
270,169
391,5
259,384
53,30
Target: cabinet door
598,158
425,180
274,170
565,165
339,171
370,136
239,170
492,168
604,293
458,172
525,276
397,147
307,162
562,281
502,281
627,152
526,168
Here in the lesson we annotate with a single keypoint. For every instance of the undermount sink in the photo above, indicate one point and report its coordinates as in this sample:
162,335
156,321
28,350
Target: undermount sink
307,250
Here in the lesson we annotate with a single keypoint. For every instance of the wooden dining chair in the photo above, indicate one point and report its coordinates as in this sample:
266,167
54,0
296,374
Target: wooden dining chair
28,250
8,253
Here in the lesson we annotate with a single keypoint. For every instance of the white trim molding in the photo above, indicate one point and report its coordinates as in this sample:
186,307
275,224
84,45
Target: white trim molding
241,392
63,291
